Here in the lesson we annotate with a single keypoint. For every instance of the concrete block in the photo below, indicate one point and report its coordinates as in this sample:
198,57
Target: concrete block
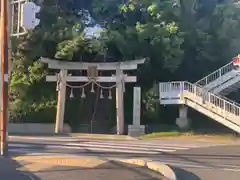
136,130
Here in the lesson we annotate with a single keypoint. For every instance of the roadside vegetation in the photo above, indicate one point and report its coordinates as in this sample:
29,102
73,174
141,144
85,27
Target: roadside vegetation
184,40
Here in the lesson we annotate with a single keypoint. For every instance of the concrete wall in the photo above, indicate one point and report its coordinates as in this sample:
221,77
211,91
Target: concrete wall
34,128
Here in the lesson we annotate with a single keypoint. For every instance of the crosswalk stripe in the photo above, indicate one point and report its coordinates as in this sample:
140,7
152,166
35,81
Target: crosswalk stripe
62,139
64,144
117,146
106,146
19,145
75,139
136,145
124,147
109,146
100,149
172,145
85,147
184,145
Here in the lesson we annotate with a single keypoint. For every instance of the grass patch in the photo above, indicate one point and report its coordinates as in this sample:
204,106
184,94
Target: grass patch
164,130
189,134
162,134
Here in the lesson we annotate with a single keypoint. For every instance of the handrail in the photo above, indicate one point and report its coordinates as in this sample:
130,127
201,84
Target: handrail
227,99
230,68
216,100
221,96
215,75
198,91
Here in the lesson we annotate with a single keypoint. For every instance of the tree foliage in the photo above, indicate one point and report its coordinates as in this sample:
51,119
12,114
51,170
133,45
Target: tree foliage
183,40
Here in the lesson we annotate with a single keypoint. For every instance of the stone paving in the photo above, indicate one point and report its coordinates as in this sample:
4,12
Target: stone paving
84,168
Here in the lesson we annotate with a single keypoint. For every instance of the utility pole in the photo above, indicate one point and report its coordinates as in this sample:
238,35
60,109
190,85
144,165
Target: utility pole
27,11
4,75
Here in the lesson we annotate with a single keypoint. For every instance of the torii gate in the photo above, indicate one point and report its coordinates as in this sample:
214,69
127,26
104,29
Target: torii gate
119,79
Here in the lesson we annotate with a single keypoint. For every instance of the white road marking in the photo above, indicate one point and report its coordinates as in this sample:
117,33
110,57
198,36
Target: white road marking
77,145
101,146
19,145
100,149
164,146
116,146
57,139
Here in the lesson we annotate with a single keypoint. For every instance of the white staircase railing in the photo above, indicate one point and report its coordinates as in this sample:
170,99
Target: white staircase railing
216,74
211,102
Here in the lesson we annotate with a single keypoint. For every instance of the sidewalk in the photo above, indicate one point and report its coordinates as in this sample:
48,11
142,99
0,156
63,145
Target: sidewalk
82,167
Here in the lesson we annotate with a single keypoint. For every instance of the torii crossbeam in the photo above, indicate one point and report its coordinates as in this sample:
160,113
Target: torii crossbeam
118,67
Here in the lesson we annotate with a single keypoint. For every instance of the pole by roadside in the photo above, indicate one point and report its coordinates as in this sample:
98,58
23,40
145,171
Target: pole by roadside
4,75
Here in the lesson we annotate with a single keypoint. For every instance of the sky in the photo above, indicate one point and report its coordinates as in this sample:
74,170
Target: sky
92,28
92,31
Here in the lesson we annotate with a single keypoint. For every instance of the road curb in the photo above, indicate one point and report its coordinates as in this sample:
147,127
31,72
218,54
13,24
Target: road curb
78,135
163,169
103,136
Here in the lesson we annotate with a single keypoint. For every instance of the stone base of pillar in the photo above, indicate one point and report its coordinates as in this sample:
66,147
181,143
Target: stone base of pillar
183,123
136,130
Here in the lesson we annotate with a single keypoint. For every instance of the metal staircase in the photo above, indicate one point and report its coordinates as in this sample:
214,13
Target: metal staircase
224,80
214,106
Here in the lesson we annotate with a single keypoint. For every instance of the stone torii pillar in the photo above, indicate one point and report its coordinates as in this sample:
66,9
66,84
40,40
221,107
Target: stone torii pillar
120,100
61,101
120,79
136,129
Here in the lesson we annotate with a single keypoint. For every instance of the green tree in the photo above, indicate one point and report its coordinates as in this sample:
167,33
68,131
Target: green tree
29,95
183,40
144,29
210,36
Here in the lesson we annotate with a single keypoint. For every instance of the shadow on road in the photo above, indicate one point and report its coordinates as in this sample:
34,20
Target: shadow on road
184,175
9,169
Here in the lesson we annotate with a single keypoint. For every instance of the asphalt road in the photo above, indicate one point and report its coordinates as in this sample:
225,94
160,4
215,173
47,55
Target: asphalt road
221,162
191,160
